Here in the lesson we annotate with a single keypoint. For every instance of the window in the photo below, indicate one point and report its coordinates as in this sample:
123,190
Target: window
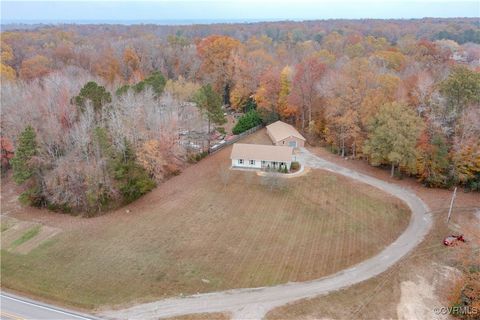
240,161
264,163
252,162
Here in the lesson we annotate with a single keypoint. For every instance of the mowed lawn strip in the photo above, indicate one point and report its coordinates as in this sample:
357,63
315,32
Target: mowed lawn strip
196,234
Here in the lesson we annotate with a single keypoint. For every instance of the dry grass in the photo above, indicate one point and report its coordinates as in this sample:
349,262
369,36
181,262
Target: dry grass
197,234
379,298
202,316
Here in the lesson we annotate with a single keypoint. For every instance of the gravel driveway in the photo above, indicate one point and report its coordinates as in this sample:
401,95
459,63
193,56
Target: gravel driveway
254,303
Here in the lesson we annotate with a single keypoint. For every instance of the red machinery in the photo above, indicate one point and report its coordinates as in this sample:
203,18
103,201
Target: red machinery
453,240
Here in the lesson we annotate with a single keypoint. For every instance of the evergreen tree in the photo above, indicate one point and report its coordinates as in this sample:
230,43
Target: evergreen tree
98,95
23,169
134,179
210,104
156,81
247,121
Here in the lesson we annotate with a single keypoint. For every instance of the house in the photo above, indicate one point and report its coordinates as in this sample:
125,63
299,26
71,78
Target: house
258,156
283,134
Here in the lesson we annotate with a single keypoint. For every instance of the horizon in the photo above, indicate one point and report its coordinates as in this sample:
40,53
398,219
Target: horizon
193,12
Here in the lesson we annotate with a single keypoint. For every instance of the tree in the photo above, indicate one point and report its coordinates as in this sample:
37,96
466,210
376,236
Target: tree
35,67
132,62
286,110
216,54
210,104
6,149
134,179
181,89
23,168
249,120
467,166
304,88
393,135
156,81
94,93
6,71
108,66
461,88
274,181
26,168
433,160
267,95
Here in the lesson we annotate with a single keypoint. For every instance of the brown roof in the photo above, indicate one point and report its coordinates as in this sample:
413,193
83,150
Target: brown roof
280,130
261,152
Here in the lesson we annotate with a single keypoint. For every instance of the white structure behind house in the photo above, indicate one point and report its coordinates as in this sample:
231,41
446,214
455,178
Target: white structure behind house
257,156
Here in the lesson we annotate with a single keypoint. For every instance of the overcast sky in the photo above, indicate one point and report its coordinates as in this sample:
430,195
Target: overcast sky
232,10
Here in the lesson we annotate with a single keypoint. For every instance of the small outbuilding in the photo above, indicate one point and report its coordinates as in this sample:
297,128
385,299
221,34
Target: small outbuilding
283,134
258,156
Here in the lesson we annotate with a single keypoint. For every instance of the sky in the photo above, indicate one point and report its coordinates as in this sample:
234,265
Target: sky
231,10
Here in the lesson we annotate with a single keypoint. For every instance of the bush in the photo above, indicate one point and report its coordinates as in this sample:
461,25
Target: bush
134,181
249,120
221,130
295,166
193,158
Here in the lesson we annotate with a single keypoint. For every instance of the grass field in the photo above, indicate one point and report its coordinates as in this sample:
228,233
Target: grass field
196,233
381,297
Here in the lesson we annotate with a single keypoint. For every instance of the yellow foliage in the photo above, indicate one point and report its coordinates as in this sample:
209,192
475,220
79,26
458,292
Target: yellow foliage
7,72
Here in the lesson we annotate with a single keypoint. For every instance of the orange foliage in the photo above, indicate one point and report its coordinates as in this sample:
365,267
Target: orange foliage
35,67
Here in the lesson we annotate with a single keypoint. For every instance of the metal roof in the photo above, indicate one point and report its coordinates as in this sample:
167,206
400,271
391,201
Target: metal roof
261,152
280,130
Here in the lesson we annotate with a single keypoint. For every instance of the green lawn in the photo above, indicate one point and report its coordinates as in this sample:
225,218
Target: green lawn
32,232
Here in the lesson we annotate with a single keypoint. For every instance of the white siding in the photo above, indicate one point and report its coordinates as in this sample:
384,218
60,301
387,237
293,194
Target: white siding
247,164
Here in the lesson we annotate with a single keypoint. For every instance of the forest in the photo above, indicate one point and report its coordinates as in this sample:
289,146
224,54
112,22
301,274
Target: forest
94,116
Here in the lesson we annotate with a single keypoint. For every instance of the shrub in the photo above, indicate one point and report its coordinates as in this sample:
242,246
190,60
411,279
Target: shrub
249,120
172,169
295,166
221,130
134,179
195,157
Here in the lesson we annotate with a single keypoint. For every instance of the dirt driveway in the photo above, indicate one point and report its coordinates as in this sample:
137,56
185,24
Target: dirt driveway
254,303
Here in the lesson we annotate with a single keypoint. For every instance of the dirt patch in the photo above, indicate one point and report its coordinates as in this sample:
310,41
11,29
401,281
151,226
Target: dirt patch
202,316
417,301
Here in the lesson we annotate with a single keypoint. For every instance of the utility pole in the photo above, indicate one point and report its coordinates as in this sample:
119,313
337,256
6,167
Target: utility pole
451,204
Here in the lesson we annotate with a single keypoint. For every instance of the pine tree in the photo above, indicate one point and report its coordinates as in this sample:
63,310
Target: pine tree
94,93
27,148
210,104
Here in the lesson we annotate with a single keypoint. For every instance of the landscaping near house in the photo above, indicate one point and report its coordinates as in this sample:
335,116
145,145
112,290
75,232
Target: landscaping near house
207,229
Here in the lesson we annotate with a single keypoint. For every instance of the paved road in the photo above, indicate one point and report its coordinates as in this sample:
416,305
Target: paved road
254,303
13,307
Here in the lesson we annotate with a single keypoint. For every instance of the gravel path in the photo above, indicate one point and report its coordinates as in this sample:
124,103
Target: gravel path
254,303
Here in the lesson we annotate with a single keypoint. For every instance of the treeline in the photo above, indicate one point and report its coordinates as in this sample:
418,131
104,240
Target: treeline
400,101
82,149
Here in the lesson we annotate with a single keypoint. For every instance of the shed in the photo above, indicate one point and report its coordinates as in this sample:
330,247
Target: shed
283,134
